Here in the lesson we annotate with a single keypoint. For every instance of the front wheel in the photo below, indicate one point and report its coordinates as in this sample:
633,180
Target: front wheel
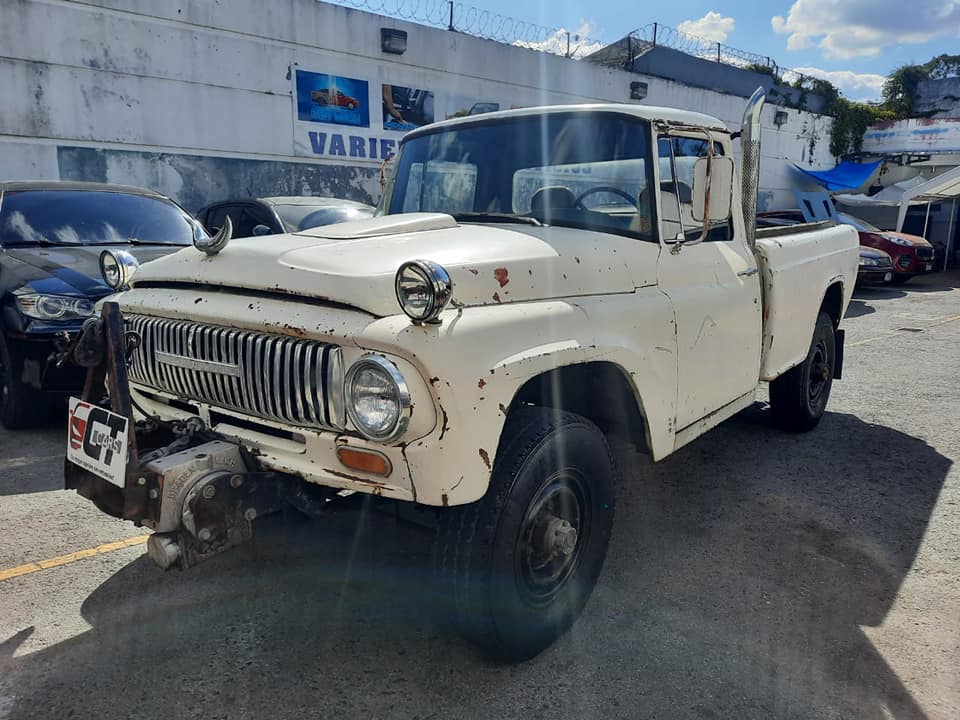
21,406
521,563
798,398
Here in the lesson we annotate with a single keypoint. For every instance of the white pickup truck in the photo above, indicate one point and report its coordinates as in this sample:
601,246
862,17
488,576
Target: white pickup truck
534,280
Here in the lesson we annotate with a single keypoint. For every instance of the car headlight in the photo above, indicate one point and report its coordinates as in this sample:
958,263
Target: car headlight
117,267
54,307
869,261
378,401
423,290
898,240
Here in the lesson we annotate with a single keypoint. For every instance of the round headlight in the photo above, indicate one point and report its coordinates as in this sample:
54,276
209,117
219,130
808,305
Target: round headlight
117,267
423,290
378,401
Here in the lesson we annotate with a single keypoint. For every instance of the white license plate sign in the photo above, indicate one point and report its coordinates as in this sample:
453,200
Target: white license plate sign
929,266
98,441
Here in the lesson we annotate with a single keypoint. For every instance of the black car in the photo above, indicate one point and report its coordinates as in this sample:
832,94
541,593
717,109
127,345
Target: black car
273,215
51,237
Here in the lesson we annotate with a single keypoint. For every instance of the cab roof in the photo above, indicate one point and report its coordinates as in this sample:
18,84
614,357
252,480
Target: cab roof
670,116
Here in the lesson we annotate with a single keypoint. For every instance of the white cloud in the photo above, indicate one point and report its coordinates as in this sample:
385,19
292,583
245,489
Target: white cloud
863,28
712,26
580,43
856,86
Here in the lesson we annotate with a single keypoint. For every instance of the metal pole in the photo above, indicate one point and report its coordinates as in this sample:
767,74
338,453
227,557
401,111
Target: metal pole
654,34
450,26
953,217
718,52
926,220
568,44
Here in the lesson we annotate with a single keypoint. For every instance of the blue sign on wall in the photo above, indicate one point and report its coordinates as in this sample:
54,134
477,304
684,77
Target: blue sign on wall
332,99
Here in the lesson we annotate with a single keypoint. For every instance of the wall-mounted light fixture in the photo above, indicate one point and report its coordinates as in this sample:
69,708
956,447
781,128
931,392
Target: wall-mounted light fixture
780,118
393,41
638,90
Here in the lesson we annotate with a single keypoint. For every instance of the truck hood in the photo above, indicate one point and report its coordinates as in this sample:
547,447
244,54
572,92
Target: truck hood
355,263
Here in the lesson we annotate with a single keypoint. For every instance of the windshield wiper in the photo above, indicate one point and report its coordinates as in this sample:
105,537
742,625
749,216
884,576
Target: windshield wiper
495,218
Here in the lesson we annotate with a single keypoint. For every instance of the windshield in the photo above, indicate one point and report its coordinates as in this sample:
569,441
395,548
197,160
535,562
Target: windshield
587,170
860,224
88,217
303,217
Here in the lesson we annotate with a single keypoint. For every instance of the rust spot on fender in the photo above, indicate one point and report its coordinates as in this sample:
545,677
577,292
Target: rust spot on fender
502,276
443,499
577,259
481,383
446,423
485,457
503,409
496,297
434,380
474,271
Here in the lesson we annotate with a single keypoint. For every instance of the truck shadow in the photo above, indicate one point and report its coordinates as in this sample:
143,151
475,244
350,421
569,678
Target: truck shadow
741,572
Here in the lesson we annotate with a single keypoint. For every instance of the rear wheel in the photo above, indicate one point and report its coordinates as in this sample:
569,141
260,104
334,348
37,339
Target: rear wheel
798,398
521,563
21,406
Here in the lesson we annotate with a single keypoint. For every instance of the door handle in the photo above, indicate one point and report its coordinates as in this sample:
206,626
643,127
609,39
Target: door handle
748,272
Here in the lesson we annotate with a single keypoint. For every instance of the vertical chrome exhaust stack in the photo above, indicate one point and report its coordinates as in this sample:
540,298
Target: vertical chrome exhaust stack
750,162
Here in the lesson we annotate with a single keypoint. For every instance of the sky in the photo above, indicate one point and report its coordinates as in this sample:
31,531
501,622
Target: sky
852,43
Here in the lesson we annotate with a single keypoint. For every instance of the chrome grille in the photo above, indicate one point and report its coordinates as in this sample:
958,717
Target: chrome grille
274,377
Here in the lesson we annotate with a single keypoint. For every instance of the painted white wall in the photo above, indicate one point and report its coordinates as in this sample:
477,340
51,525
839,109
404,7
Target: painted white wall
211,79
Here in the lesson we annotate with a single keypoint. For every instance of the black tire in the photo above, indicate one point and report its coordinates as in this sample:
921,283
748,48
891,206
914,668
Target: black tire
21,406
900,279
516,585
798,398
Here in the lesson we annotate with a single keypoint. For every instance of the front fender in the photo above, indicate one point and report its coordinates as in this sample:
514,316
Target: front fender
478,358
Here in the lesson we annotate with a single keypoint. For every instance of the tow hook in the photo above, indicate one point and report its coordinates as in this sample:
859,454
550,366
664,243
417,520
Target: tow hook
208,503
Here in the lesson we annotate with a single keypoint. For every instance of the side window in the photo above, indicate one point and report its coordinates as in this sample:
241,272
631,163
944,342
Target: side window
678,155
245,217
214,220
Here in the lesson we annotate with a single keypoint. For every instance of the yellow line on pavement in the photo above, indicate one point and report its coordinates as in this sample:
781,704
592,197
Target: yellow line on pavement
903,332
71,557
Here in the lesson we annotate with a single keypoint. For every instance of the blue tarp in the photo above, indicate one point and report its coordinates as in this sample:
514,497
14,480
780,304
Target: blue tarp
845,176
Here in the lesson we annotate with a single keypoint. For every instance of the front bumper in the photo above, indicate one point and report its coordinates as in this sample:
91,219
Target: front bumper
874,275
39,369
910,262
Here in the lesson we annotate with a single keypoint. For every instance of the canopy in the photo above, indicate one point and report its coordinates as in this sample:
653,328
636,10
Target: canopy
942,187
889,196
845,176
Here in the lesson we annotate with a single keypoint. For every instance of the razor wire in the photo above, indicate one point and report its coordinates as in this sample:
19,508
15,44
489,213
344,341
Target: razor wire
471,20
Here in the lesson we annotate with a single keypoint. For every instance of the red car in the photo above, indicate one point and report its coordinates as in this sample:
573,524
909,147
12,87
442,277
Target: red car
912,255
323,97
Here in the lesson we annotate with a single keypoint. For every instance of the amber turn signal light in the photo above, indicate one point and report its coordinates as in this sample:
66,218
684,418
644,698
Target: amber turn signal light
368,461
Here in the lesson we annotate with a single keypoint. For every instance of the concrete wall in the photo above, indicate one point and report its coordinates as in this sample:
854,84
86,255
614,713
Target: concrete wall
195,98
942,96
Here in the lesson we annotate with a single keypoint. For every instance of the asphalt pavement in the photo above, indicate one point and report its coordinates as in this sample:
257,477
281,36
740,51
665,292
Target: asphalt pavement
753,574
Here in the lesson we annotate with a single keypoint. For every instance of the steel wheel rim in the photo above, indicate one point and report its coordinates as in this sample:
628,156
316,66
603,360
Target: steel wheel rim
553,533
819,372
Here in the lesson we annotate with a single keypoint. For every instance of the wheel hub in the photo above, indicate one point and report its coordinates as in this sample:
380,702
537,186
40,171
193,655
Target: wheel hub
561,537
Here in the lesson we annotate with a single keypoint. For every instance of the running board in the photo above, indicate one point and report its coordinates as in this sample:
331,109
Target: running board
698,428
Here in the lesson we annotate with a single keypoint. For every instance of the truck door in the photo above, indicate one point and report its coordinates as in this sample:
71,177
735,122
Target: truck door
714,288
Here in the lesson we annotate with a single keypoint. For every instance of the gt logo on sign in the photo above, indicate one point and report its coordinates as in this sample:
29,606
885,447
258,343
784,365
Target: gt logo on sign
97,441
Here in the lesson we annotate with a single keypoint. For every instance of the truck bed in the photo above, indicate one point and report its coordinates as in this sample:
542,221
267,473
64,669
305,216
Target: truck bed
799,263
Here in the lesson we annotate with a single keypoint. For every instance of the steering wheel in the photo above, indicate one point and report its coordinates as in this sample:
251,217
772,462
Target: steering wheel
578,203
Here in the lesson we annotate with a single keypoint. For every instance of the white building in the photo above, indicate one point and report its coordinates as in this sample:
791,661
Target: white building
200,100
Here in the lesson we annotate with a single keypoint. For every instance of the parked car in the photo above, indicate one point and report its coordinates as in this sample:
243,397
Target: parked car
876,266
470,351
51,237
273,215
912,255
